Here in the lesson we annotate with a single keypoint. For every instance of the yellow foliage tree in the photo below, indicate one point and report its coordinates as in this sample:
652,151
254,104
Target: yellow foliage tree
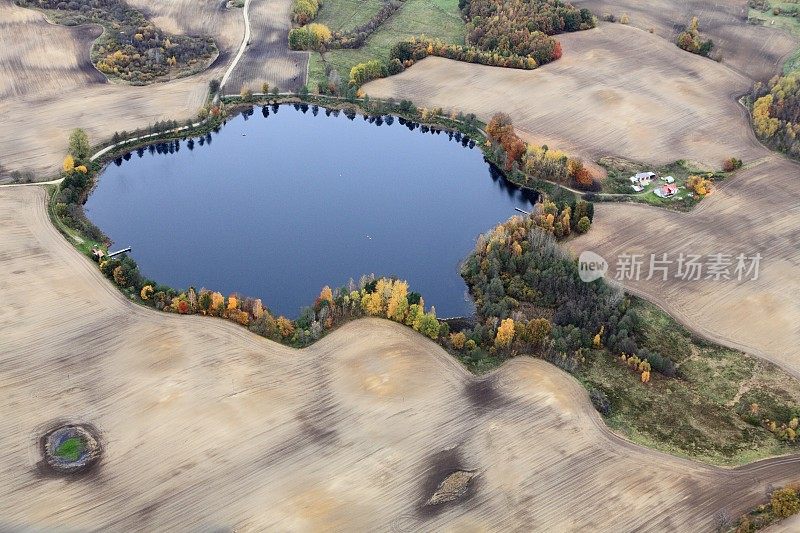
397,306
505,333
119,277
372,304
82,169
285,327
458,340
233,302
785,502
69,164
765,124
326,294
146,292
217,302
597,342
646,376
258,309
321,32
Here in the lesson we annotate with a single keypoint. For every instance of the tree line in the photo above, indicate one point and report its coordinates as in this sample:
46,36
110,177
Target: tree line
522,280
526,163
522,27
776,113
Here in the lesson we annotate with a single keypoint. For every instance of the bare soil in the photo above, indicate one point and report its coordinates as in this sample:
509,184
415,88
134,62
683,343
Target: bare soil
209,427
267,57
50,87
757,52
619,91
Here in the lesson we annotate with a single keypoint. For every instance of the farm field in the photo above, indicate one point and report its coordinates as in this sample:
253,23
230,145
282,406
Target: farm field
43,99
784,21
206,426
438,19
752,212
361,426
673,105
757,52
267,57
650,120
344,15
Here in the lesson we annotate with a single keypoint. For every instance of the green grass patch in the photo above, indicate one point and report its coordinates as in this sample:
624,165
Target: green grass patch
438,19
344,15
696,414
783,21
71,449
618,182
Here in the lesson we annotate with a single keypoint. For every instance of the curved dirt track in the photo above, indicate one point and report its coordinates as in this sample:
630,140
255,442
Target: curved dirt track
672,105
267,57
207,426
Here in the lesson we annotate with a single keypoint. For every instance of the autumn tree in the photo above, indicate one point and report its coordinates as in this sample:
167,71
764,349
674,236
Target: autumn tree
69,164
505,334
457,340
217,303
119,276
326,295
146,292
397,306
285,327
597,341
79,147
785,502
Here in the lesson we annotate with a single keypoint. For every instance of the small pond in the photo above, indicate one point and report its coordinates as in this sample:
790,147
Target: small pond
282,201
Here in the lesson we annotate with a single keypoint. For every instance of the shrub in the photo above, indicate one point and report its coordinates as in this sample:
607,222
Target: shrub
785,502
304,11
600,401
583,225
731,164
311,37
364,72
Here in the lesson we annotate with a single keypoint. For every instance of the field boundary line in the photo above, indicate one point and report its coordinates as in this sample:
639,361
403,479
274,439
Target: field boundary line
242,47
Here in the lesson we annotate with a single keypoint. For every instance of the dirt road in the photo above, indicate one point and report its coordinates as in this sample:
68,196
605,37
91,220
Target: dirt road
267,58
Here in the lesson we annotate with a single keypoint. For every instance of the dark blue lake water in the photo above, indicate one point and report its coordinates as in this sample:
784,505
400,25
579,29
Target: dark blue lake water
276,207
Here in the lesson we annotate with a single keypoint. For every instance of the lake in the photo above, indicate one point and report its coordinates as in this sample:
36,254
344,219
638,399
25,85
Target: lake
280,202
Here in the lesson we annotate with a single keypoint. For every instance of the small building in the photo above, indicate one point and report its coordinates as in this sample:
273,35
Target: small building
637,188
666,191
97,254
668,179
643,179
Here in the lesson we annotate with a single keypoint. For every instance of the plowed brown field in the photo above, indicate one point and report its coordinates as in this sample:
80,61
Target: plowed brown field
757,52
645,99
206,426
